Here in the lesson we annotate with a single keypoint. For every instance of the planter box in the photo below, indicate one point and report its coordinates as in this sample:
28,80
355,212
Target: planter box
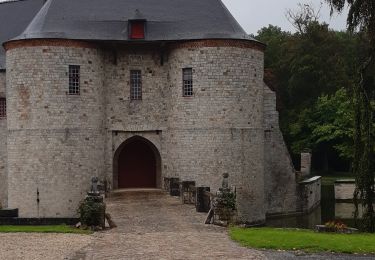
323,228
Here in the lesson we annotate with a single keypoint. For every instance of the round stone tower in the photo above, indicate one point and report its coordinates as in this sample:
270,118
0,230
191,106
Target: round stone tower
220,128
55,135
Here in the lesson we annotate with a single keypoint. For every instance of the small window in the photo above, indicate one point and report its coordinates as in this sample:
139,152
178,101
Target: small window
135,85
187,79
3,108
74,80
137,30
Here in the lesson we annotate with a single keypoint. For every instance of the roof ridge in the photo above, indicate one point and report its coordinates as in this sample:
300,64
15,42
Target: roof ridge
229,15
37,19
11,1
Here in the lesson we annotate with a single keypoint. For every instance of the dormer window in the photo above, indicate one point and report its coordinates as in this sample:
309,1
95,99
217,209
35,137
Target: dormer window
137,30
137,26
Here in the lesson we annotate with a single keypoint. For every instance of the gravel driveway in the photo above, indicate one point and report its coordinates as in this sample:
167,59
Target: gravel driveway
37,246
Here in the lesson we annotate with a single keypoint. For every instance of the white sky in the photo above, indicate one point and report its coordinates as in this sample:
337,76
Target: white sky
255,14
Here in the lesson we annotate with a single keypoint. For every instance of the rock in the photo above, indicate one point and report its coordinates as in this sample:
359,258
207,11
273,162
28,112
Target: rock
78,225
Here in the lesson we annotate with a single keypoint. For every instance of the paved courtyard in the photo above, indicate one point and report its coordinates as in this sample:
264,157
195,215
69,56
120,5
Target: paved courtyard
151,225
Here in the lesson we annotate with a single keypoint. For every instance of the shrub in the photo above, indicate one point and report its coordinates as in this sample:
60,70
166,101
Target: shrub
92,212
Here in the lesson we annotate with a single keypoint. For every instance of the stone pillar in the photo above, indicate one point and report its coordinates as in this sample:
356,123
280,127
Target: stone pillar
187,192
305,163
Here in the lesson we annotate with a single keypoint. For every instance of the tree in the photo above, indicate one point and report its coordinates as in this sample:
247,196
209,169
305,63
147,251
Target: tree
302,67
329,122
303,16
361,17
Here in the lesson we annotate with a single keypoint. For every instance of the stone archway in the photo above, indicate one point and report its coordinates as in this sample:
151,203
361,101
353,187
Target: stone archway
137,164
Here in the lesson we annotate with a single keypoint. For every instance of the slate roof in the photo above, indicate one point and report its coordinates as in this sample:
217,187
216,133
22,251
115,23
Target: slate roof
107,20
14,18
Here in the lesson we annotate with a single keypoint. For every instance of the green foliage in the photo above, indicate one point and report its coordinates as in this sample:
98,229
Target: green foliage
225,204
362,17
92,212
228,200
42,229
328,122
311,65
326,88
274,37
314,74
305,240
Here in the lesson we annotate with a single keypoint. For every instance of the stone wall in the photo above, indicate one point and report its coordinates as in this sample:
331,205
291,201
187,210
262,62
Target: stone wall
55,140
220,128
128,118
3,149
309,192
344,189
199,137
280,178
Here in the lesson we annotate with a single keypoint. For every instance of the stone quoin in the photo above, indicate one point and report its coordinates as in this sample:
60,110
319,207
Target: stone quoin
98,88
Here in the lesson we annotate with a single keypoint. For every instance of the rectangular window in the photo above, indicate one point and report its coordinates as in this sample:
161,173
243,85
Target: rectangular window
135,85
74,80
137,30
3,108
187,81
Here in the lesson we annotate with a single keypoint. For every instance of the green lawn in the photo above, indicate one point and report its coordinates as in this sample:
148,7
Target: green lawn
304,240
330,180
43,229
329,177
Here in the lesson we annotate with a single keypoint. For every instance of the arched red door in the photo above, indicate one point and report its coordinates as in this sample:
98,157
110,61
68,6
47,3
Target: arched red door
137,165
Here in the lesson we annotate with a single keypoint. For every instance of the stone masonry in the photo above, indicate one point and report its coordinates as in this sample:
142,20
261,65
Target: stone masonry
57,142
3,146
280,178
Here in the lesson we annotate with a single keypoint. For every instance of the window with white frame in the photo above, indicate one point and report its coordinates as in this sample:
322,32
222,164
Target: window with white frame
187,82
135,85
74,79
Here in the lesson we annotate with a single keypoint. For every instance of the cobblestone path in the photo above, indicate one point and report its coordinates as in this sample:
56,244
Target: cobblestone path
153,225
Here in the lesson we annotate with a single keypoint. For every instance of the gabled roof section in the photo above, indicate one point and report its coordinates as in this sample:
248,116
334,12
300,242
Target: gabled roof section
14,18
107,20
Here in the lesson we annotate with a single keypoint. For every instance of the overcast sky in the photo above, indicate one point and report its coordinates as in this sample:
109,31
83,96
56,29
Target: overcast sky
255,14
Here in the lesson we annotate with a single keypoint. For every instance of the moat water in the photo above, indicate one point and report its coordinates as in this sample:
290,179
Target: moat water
328,210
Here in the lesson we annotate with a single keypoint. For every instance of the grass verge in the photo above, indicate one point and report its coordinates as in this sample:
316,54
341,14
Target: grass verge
43,229
330,180
304,240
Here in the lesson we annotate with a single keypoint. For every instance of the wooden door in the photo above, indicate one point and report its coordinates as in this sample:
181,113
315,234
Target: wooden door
137,166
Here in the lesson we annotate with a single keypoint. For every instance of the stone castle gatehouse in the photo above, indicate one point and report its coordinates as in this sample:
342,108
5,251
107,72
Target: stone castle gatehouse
135,91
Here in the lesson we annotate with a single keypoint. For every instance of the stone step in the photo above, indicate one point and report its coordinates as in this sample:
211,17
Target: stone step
136,192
